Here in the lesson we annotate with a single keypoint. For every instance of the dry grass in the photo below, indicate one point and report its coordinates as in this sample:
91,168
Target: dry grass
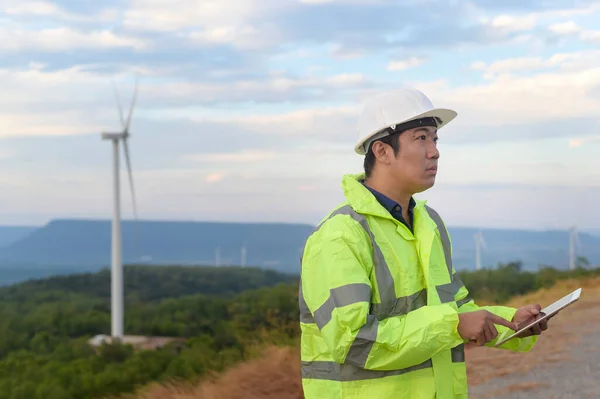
277,373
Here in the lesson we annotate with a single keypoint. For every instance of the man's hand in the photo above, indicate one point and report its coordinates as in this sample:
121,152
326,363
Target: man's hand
479,326
527,314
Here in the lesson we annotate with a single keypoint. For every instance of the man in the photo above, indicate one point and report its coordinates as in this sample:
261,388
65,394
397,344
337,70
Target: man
382,312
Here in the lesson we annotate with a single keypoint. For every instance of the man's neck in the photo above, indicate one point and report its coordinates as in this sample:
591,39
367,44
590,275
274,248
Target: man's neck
391,191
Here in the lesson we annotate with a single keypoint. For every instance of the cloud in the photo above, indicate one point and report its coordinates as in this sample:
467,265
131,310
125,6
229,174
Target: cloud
245,156
558,94
45,124
546,6
157,15
64,38
4,155
42,102
558,63
30,7
38,102
513,64
354,28
271,89
411,62
570,29
298,160
245,37
574,143
249,99
316,1
51,10
565,28
512,23
321,124
215,177
270,197
591,36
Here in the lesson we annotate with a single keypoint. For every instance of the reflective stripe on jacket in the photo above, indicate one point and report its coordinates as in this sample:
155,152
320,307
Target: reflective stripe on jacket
379,305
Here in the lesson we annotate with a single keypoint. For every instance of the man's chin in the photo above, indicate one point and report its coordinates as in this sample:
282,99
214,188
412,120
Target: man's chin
425,185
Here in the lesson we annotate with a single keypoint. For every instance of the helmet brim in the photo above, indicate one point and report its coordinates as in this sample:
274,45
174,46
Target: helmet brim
443,114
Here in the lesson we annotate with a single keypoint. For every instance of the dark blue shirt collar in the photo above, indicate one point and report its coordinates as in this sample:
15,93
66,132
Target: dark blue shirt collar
394,208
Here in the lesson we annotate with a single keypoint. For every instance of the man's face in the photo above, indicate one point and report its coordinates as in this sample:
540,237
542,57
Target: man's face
415,165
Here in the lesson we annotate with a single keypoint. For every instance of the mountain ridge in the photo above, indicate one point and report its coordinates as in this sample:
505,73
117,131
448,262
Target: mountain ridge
64,246
11,234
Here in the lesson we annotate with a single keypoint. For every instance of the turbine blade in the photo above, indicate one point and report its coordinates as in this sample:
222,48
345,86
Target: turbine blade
118,97
130,173
133,100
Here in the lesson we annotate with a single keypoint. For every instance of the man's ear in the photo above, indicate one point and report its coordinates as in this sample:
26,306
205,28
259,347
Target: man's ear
381,152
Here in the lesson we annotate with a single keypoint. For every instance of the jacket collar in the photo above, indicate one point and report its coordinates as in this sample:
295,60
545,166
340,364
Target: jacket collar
363,201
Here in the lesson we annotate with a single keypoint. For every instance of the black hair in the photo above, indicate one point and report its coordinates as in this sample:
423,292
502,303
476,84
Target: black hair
392,140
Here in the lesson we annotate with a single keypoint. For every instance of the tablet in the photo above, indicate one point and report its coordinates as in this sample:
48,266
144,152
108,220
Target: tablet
546,312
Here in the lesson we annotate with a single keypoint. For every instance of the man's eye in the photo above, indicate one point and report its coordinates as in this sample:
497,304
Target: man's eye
423,137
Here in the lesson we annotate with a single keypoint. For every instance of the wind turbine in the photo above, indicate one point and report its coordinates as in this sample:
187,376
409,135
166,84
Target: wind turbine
116,246
479,243
573,243
243,255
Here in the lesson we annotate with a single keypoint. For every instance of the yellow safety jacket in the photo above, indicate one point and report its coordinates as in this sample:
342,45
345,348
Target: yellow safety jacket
379,305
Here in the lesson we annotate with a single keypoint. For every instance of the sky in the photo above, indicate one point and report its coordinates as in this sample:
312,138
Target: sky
248,110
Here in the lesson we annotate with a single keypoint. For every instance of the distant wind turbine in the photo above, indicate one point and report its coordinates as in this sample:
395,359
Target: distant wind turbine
479,243
574,244
117,257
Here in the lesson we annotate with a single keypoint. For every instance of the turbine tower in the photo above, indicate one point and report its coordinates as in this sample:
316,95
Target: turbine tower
574,243
479,243
116,245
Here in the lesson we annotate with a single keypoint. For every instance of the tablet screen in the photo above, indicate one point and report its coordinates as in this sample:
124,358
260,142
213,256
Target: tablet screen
547,312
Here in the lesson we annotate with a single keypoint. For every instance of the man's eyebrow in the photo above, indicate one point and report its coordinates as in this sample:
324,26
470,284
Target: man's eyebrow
423,129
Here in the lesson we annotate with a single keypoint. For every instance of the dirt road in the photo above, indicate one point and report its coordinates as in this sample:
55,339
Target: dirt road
564,364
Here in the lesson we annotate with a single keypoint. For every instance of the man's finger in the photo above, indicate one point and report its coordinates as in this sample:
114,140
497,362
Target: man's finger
486,334
499,320
493,331
524,334
481,339
534,309
489,333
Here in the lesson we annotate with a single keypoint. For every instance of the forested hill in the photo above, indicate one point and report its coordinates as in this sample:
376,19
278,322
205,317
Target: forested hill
151,283
221,313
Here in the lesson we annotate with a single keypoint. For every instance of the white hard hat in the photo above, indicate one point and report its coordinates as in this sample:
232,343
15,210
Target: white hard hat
394,108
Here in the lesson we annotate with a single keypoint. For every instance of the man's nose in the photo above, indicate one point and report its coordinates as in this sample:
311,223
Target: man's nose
433,152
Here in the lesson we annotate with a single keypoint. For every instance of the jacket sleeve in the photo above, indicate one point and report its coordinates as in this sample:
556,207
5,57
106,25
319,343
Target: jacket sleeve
337,289
467,304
